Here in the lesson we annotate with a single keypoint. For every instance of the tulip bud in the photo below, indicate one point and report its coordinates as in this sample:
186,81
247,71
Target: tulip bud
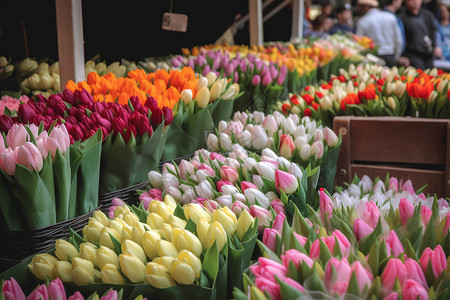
305,152
106,256
91,232
244,222
138,232
165,261
88,251
156,179
182,272
132,267
195,211
186,96
317,149
101,217
155,221
192,260
166,248
213,142
63,270
65,250
216,90
132,248
110,275
42,266
176,222
259,137
149,243
256,196
158,276
286,182
226,218
202,97
286,146
186,240
105,237
82,271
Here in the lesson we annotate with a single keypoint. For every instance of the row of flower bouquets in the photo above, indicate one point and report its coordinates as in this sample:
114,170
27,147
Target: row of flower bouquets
242,225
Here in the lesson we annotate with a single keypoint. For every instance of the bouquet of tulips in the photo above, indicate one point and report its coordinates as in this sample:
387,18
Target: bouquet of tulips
375,248
164,251
41,176
11,290
303,141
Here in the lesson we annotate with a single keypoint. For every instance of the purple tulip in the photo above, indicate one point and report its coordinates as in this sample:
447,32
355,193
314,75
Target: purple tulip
5,123
68,96
256,80
236,77
191,63
280,79
267,79
206,70
26,113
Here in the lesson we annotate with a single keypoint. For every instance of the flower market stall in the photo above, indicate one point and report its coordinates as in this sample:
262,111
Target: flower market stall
280,171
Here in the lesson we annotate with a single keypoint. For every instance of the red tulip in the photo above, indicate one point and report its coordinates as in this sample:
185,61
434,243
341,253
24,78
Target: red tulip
26,113
5,123
168,115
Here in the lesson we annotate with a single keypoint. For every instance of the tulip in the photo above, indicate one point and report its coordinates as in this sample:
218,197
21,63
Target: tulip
92,231
186,240
363,276
426,214
132,248
305,152
182,272
192,260
110,275
229,174
265,170
216,233
166,231
166,248
257,180
202,97
154,220
243,224
137,234
226,218
186,96
393,270
269,269
263,215
411,289
256,79
63,269
106,256
101,217
12,290
297,257
286,182
132,267
325,204
89,251
270,238
40,292
343,242
406,210
156,179
105,237
270,124
29,156
268,286
65,250
330,137
414,271
149,243
195,212
337,275
82,271
436,257
369,213
158,276
255,196
278,206
361,229
259,137
41,266
393,244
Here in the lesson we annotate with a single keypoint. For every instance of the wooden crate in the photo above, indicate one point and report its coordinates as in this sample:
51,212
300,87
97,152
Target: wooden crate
407,148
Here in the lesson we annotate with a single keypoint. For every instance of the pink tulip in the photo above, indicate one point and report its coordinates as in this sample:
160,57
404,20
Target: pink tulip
339,288
437,258
412,290
229,174
264,216
247,185
112,295
211,205
76,296
185,169
60,134
17,136
393,184
361,229
317,149
414,271
330,137
391,296
406,210
208,170
325,204
363,276
330,242
343,242
270,124
426,214
286,182
2,143
286,146
28,155
302,240
394,269
40,293
294,284
270,238
370,214
56,290
268,286
393,245
8,161
278,206
268,269
278,223
297,258
335,282
217,156
221,183
12,290
237,207
407,186
447,222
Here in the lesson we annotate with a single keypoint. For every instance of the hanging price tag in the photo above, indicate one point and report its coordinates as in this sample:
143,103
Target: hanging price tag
174,22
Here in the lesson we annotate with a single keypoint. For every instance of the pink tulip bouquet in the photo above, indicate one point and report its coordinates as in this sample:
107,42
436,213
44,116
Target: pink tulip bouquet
11,290
302,141
38,176
360,252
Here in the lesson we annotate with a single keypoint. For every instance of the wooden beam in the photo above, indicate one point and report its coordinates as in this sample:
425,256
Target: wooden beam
256,22
298,13
69,22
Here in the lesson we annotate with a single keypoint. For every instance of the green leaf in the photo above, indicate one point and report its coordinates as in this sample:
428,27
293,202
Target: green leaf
179,212
367,241
287,291
373,258
353,287
211,263
117,245
76,238
325,253
429,238
191,226
266,252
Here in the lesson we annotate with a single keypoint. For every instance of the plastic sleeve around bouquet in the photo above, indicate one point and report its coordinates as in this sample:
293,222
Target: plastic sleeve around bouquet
187,130
123,165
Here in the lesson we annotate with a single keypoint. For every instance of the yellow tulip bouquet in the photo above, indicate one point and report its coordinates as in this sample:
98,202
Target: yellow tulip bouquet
166,251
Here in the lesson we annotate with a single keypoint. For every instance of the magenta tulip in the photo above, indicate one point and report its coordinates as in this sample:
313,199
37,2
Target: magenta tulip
278,206
285,182
393,245
361,229
286,146
40,293
325,204
56,290
426,214
363,276
268,286
270,238
393,270
278,222
436,257
5,123
269,269
256,80
12,290
343,242
26,113
414,271
297,258
412,290
247,185
406,210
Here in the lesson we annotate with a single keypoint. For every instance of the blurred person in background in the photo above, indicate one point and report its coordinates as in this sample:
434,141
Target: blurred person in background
344,17
420,32
382,28
321,25
443,32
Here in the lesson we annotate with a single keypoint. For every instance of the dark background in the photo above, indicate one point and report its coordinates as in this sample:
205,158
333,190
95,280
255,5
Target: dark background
129,29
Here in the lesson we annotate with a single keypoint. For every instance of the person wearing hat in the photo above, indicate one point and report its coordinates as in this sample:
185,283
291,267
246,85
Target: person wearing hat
382,28
344,17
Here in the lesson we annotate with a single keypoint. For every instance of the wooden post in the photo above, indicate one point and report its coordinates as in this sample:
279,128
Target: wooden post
297,19
69,22
256,22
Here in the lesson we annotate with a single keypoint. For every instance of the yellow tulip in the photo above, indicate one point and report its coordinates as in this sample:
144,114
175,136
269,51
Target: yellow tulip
176,222
154,220
158,276
91,232
166,231
101,217
82,271
164,210
121,210
137,235
111,275
195,211
132,248
132,267
63,270
105,237
184,239
192,260
65,250
42,266
166,261
217,233
166,248
182,272
202,97
211,77
244,222
127,232
149,243
226,218
130,218
106,256
216,89
117,224
202,232
89,251
170,202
